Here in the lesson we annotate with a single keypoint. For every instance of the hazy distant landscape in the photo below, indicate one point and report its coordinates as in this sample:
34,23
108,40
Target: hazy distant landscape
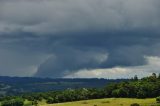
20,91
19,85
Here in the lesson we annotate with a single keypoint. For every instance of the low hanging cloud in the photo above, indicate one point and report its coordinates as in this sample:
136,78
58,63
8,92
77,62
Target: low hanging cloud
68,62
57,38
152,66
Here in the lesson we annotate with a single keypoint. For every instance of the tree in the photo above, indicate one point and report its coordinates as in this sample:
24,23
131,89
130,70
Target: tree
115,93
35,102
154,75
158,99
153,78
123,92
141,94
49,100
159,76
13,102
135,78
109,89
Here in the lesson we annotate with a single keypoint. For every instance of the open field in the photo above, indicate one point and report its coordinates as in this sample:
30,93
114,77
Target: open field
108,102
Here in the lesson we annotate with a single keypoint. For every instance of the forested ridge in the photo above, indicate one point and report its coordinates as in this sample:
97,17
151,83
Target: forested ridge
147,87
20,85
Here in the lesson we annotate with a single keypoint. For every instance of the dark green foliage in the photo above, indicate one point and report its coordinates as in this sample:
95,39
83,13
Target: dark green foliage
135,78
35,102
158,99
135,104
138,88
49,100
13,102
159,76
144,88
141,94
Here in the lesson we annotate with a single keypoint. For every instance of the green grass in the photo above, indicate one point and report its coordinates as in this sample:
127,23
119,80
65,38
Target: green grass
108,102
27,103
102,102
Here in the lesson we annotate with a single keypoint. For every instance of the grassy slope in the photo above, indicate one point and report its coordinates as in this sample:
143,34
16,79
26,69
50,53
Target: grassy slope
108,102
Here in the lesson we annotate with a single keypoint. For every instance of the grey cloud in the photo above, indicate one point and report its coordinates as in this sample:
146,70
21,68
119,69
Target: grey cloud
68,62
13,63
122,49
60,37
57,16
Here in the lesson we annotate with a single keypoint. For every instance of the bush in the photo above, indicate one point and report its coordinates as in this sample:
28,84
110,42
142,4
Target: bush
35,102
84,102
49,100
135,104
13,102
158,99
141,94
105,101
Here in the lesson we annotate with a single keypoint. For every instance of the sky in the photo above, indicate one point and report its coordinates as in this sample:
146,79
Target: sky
79,38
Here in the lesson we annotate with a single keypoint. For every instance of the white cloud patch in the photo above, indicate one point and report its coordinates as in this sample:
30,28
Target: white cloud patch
153,65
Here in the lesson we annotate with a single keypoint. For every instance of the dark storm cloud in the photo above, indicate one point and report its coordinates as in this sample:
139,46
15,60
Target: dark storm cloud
98,50
61,37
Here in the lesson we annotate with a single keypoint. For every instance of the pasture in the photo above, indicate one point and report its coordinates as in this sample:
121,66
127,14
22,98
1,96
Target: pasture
108,102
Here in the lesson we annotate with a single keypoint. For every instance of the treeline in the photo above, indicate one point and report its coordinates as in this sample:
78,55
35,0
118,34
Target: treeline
147,87
13,102
134,88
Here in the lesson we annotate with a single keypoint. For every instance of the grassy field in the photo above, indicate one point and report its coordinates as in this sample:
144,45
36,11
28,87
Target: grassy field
108,102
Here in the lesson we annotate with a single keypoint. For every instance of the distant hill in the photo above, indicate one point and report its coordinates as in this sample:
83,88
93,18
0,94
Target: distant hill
18,85
78,89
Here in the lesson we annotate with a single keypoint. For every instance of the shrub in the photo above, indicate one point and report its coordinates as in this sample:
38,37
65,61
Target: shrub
158,99
84,102
35,102
105,101
135,104
141,94
13,102
49,100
